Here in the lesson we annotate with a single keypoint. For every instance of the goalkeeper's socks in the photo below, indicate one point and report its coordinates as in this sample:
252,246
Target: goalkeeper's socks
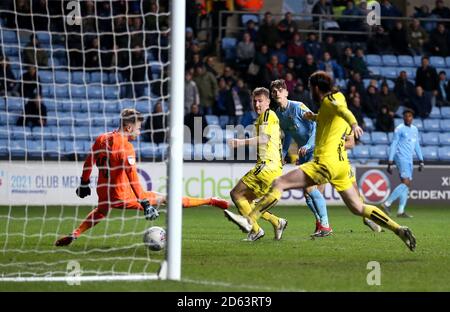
396,193
310,204
403,200
321,206
195,202
379,217
91,220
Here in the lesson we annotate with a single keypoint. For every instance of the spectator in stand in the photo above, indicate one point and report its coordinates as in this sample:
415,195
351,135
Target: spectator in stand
359,64
427,77
421,103
385,121
331,67
355,107
30,84
22,18
443,96
191,95
417,37
228,75
290,68
138,73
399,39
241,102
189,36
312,46
40,15
209,65
388,99
92,56
300,94
347,62
290,82
245,51
441,10
7,79
391,11
295,49
424,12
356,81
439,41
223,98
379,43
308,67
404,89
323,7
287,27
195,61
274,70
251,29
351,93
330,47
195,117
35,114
155,127
207,89
351,24
33,54
268,31
280,52
372,103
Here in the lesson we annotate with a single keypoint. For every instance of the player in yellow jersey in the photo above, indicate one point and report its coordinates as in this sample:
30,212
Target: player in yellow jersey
268,166
330,163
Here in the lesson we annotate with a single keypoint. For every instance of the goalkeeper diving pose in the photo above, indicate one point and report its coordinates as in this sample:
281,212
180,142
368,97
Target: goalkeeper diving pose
118,183
330,163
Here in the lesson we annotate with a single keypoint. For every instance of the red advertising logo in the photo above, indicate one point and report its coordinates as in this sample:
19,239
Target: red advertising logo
375,186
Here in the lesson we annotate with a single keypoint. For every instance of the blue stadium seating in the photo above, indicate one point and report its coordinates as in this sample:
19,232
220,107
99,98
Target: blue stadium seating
389,60
14,104
4,146
223,121
435,113
99,77
389,72
378,152
430,125
17,148
61,92
95,92
8,37
212,120
20,132
405,61
444,138
373,60
430,138
419,124
430,153
79,77
417,61
163,149
229,47
437,61
78,92
369,124
249,17
35,148
444,124
361,152
149,149
445,112
379,138
444,153
447,61
375,70
365,138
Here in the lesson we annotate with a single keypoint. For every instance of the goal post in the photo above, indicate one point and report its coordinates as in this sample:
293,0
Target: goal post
80,63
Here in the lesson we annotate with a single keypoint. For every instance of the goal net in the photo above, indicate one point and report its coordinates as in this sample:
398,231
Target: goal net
68,69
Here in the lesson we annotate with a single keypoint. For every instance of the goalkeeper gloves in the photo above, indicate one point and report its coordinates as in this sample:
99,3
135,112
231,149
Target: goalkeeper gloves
84,190
150,212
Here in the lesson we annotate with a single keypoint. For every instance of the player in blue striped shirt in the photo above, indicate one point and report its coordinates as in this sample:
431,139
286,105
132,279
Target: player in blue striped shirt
405,143
294,126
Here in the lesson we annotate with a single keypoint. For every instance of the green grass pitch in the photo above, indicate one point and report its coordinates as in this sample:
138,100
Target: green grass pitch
216,259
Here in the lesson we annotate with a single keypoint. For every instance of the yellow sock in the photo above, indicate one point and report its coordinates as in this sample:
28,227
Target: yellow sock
268,201
245,208
379,217
271,218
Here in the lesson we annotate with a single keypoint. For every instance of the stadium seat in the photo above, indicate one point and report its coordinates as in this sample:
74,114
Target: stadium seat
361,152
444,153
223,121
144,106
369,124
444,138
187,151
397,122
149,150
62,77
45,133
212,120
389,60
430,153
249,17
45,76
99,77
111,92
430,125
115,78
4,147
14,104
20,132
35,148
435,113
445,112
405,61
43,37
444,124
17,148
365,138
64,119
53,148
419,124
8,37
417,61
78,92
69,105
221,151
66,132
389,72
163,149
430,138
375,70
437,61
447,61
378,152
410,71
74,147
82,133
373,60
94,92
4,132
379,138
61,92
79,77
229,47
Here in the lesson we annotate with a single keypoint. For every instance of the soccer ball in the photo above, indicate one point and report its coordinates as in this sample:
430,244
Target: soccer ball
155,238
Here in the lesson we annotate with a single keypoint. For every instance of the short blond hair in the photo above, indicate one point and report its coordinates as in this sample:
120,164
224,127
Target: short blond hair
130,116
261,91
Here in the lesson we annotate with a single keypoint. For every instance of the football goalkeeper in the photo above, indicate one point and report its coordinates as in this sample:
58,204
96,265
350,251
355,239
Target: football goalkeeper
118,183
330,163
